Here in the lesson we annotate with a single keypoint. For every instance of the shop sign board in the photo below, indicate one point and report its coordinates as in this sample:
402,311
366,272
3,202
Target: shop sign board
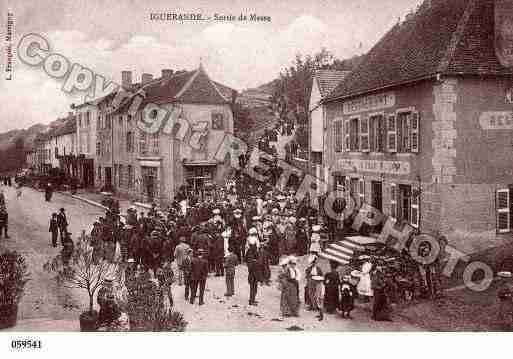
369,103
375,166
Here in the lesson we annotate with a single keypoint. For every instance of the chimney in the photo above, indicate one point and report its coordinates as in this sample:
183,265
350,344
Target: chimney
145,78
167,73
126,79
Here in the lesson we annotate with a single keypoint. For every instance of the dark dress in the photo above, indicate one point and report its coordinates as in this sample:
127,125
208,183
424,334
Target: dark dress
347,295
331,291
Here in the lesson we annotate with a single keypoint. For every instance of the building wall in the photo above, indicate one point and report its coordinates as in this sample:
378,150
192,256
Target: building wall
317,119
459,166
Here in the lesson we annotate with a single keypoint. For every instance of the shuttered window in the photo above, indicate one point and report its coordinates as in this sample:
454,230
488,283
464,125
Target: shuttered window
338,135
347,136
414,125
393,200
361,191
391,134
364,134
503,211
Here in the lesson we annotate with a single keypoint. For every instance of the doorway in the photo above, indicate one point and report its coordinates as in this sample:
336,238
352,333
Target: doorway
108,178
377,195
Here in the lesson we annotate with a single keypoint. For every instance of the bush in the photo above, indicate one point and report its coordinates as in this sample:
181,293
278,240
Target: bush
171,322
13,277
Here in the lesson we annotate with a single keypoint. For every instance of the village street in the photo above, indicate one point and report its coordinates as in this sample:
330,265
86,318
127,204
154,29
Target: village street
47,307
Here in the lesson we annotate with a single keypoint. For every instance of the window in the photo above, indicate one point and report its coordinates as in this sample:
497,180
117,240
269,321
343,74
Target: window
354,134
130,175
406,132
108,121
143,146
99,122
377,133
347,136
155,145
354,190
503,208
338,139
130,142
98,148
79,120
116,172
129,118
364,134
391,134
120,120
88,142
393,200
88,118
56,152
403,132
217,121
99,173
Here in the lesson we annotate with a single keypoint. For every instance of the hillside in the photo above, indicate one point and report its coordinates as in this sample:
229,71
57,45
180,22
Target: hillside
28,135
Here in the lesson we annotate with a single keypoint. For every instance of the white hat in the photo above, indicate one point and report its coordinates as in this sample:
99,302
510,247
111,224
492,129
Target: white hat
275,211
216,211
504,274
256,218
130,260
284,261
253,230
292,219
268,224
316,228
225,234
109,278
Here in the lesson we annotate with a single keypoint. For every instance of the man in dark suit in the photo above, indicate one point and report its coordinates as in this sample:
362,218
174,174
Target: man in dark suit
62,222
199,274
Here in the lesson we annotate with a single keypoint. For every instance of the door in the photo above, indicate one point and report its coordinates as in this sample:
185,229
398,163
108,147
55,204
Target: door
377,195
108,177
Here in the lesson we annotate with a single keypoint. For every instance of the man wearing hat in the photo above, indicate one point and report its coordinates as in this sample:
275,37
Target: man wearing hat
62,222
180,252
302,237
314,283
239,234
199,274
230,262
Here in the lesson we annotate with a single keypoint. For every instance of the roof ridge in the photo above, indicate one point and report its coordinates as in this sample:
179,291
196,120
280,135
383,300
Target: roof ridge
188,84
456,37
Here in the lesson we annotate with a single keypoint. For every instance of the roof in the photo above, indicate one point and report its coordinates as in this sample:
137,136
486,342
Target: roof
327,80
184,87
453,37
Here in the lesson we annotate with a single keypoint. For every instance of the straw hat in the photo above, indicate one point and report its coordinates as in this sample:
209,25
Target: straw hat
253,230
216,211
504,274
316,228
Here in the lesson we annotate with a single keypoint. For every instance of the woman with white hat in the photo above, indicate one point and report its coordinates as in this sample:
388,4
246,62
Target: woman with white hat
314,284
315,240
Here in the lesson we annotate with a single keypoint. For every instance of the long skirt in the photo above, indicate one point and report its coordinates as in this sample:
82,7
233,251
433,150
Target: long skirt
315,294
380,308
331,298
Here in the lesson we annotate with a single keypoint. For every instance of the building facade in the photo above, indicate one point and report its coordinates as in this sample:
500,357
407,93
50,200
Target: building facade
86,115
151,167
422,129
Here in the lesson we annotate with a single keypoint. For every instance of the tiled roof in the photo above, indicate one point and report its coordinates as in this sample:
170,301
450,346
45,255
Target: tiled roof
70,126
185,87
327,80
443,37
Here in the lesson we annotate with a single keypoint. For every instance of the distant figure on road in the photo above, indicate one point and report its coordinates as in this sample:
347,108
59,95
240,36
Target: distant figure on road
18,190
48,192
4,221
62,221
54,229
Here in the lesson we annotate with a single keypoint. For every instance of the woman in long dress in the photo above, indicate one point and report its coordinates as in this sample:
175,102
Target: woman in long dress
293,277
284,286
331,286
364,285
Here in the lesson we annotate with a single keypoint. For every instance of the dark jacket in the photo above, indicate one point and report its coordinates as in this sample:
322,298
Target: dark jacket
199,269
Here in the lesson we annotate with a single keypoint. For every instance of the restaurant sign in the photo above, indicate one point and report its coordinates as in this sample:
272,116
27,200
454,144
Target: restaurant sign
496,120
375,166
369,103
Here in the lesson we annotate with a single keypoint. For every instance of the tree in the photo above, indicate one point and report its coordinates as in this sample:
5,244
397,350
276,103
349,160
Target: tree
79,270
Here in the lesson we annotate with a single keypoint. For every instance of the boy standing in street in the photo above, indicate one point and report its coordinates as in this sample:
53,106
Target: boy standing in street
230,262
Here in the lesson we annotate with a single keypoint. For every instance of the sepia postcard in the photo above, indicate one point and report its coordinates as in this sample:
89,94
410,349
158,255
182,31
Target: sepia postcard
255,166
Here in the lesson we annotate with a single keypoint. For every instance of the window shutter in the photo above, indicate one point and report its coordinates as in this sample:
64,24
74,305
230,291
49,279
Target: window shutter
391,134
361,191
414,126
415,213
364,134
347,136
502,205
406,133
393,200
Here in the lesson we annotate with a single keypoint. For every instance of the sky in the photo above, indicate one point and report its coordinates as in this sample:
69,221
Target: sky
111,36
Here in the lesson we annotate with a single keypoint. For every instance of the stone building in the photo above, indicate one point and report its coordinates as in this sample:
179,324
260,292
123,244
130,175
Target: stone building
422,128
151,166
